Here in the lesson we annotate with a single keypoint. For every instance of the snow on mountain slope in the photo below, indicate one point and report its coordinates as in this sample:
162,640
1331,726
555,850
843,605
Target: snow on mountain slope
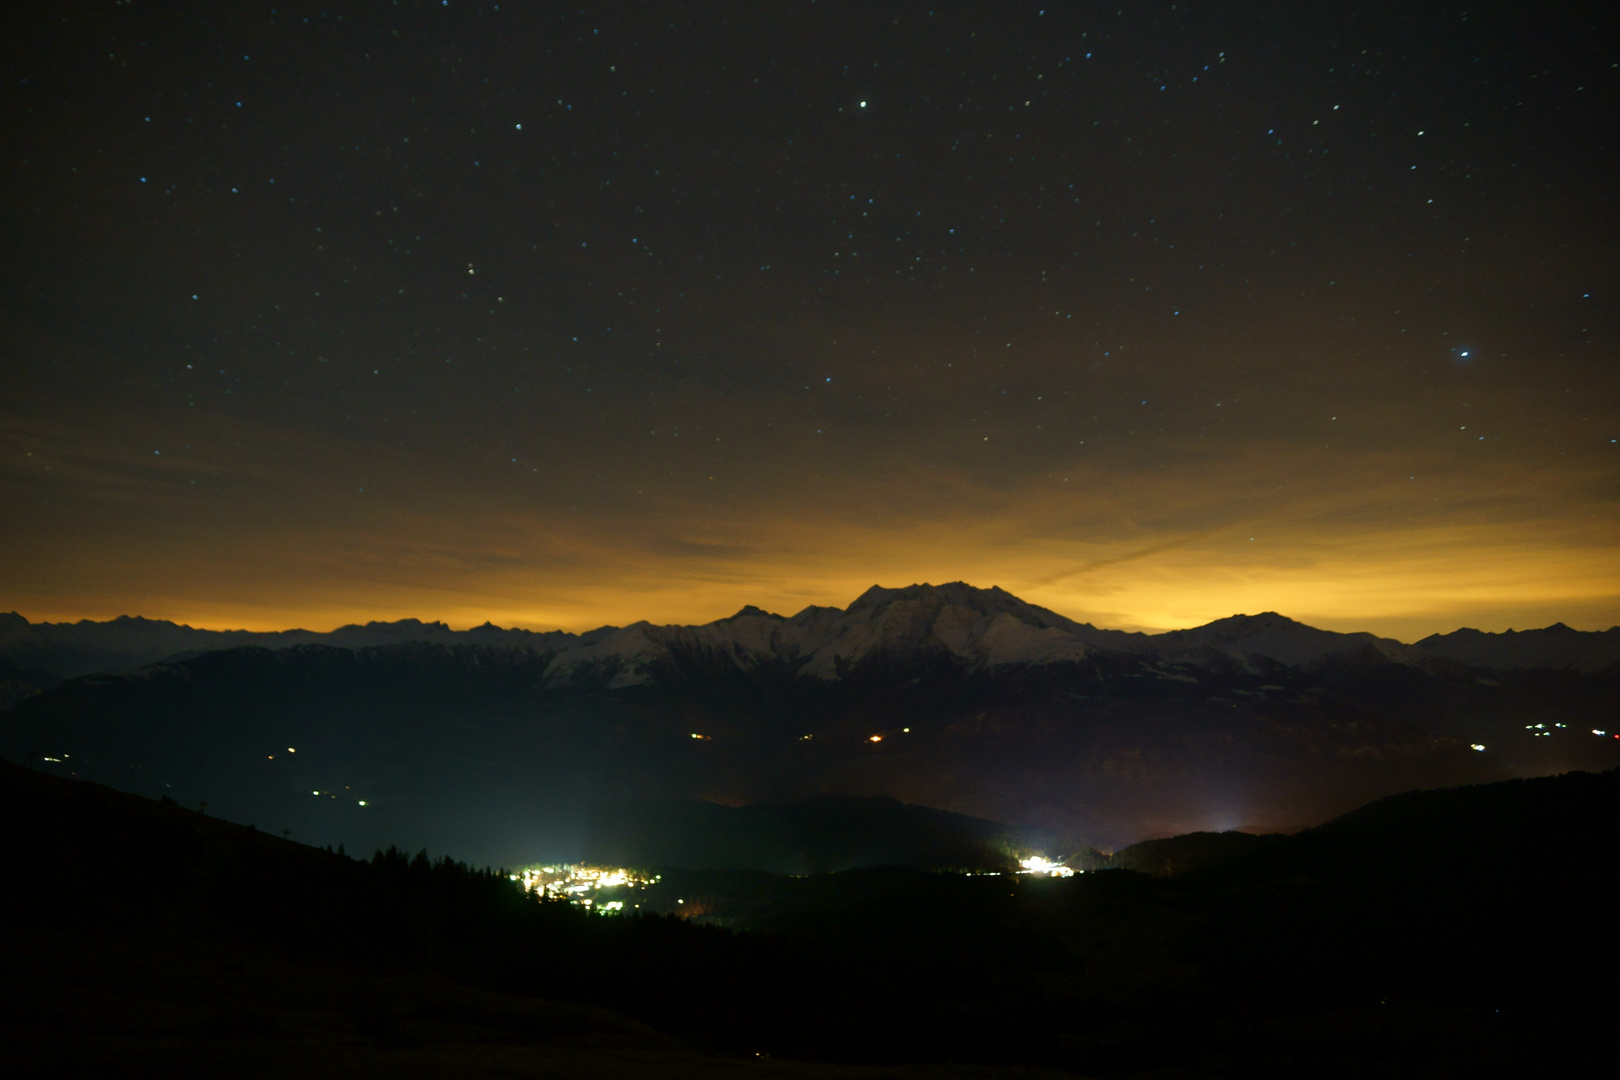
983,627
626,653
979,627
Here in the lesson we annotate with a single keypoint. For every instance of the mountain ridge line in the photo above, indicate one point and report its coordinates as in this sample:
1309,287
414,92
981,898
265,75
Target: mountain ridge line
993,623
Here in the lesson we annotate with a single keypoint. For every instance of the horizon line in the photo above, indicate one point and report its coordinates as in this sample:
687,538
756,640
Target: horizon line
539,628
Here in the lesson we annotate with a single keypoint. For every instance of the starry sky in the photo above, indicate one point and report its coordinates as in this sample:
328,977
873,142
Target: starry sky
562,316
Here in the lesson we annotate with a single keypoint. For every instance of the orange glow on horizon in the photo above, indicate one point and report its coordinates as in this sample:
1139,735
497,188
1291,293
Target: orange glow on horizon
1123,547
1403,585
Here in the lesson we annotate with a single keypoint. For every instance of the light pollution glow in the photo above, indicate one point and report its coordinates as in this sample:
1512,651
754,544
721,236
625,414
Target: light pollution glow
1150,550
1274,347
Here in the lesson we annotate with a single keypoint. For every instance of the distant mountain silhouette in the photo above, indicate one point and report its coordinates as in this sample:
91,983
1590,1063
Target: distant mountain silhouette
987,627
1555,646
68,650
510,744
965,699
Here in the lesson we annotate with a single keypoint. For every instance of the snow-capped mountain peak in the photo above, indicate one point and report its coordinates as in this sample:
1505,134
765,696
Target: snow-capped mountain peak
977,628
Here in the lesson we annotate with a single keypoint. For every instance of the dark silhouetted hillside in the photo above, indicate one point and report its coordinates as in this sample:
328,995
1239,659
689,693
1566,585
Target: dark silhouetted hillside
1555,646
1443,933
1495,895
1187,853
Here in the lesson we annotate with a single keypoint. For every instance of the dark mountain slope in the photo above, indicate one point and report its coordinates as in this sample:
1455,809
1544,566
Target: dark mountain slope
1188,853
1496,895
18,684
223,950
68,650
1558,827
1555,646
154,940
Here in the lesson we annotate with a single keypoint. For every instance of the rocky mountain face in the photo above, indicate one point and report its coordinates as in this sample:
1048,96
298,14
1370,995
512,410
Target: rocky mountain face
516,746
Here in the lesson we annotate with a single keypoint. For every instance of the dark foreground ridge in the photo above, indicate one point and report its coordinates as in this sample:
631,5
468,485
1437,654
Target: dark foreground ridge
1461,932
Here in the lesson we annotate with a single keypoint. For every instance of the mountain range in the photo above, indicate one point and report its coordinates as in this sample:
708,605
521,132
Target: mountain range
512,746
986,626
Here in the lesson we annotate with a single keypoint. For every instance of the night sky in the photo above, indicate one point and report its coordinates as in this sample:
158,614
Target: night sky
1149,313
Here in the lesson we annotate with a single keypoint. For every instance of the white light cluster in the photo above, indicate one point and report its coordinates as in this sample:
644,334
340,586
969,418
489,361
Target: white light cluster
1039,864
580,884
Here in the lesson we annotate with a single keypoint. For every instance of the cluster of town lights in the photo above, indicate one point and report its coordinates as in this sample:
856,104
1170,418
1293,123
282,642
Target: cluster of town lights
580,885
1037,864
